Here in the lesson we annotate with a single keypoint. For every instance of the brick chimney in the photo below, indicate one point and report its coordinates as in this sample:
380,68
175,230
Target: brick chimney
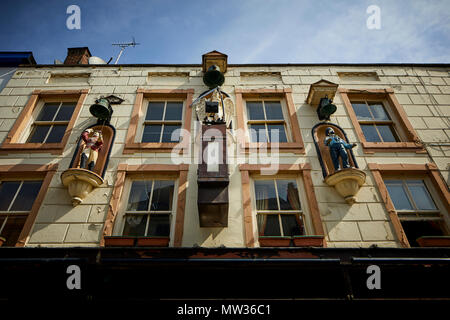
77,55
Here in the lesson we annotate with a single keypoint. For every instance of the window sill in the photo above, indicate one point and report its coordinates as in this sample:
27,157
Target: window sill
295,241
371,147
435,241
53,148
119,241
149,147
309,241
276,241
293,147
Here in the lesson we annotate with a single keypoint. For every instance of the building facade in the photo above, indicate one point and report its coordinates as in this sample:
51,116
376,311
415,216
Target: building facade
278,193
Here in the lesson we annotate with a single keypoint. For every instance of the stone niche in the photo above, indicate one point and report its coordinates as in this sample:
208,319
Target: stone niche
347,182
80,182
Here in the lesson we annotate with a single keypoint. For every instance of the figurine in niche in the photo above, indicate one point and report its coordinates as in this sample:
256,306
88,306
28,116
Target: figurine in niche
93,142
338,148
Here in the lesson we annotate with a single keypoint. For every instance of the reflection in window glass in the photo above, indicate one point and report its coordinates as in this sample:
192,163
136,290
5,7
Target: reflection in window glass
420,195
170,134
288,195
269,225
258,133
277,133
48,111
11,228
273,110
26,195
378,111
159,225
255,110
152,133
291,225
56,134
162,195
139,196
155,111
410,195
281,197
8,190
398,195
153,220
266,198
370,133
38,134
361,111
16,200
387,133
135,225
65,112
173,111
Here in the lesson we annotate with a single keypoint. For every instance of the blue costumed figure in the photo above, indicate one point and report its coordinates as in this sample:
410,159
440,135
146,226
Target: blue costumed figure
338,148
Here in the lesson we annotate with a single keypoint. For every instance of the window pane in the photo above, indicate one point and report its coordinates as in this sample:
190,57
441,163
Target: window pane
370,133
270,225
139,196
152,133
387,133
378,111
265,195
291,225
398,195
362,111
48,111
159,225
258,133
26,196
288,195
56,134
277,133
255,110
273,110
162,195
174,111
168,131
135,225
38,134
7,191
155,111
420,195
65,112
12,229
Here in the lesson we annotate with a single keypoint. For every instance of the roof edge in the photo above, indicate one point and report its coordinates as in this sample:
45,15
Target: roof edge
446,65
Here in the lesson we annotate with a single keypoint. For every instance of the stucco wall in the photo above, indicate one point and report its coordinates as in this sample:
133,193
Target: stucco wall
424,93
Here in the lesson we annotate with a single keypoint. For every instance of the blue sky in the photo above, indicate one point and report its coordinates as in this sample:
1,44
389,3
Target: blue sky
249,31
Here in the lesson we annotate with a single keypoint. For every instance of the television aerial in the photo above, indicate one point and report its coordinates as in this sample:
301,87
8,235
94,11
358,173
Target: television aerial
123,46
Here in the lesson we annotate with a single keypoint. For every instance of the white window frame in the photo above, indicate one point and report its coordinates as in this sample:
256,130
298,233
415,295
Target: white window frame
120,220
388,109
143,122
248,122
416,214
303,212
8,213
25,135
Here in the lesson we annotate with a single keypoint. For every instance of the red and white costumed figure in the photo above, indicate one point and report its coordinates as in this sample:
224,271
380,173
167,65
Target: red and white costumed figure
93,142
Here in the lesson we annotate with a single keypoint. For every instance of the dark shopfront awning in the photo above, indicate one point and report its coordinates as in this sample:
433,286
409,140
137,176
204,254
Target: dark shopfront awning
137,274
